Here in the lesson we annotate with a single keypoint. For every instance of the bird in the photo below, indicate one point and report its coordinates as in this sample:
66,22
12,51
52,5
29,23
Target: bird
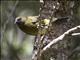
30,24
27,24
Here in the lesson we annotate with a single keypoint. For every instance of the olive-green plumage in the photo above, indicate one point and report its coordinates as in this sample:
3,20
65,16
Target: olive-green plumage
27,24
30,24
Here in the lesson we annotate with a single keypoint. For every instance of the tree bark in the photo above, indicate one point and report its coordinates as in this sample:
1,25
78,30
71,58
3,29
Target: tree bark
66,49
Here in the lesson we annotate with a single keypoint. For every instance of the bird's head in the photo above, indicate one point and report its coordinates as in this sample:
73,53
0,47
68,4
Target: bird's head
27,24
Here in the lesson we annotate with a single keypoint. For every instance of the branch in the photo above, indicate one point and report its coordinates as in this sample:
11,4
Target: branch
9,18
61,37
75,34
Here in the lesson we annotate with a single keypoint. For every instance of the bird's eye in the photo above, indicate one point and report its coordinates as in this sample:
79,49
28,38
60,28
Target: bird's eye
33,22
19,19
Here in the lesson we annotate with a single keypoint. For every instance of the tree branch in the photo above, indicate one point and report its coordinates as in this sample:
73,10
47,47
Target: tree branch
61,37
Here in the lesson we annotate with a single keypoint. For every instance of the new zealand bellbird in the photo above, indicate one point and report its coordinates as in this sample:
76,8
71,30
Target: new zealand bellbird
29,24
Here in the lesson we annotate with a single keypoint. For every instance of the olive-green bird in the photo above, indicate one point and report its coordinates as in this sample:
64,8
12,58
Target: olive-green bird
29,24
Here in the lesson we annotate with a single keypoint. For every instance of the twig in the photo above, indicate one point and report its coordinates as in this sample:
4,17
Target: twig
4,27
60,37
75,34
